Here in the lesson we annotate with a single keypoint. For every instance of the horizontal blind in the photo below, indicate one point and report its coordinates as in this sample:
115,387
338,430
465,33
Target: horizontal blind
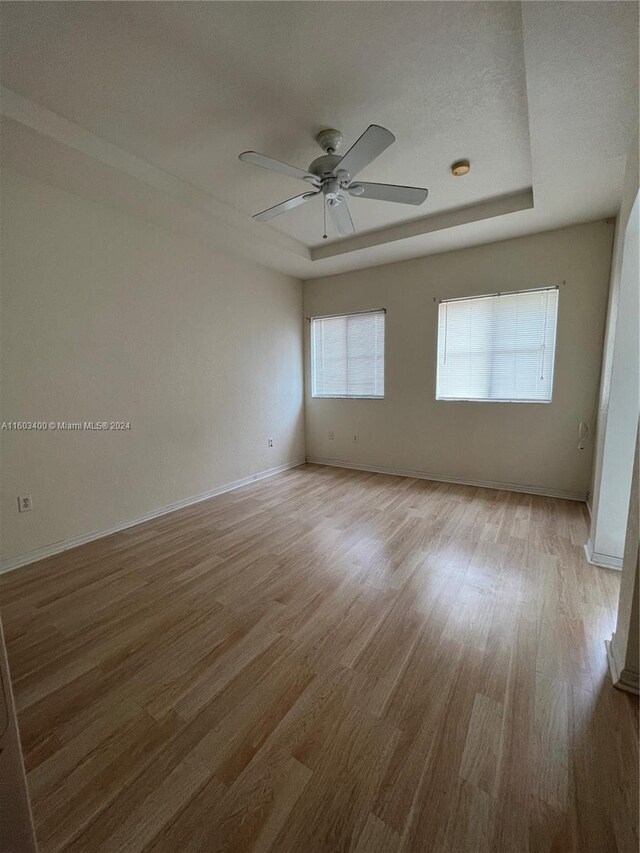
498,347
348,355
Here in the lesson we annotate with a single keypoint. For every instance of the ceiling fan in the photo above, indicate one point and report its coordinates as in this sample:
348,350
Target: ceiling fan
332,177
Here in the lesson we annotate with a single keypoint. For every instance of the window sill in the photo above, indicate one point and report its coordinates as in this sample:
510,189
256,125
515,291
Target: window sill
486,400
343,397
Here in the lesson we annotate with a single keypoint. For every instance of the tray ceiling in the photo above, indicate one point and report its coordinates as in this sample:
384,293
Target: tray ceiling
185,87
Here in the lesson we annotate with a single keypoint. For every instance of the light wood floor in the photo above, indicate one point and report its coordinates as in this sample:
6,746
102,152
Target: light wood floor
327,660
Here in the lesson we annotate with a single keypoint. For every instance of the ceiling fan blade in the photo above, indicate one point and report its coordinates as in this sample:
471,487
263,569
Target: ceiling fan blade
276,166
371,144
389,192
277,209
341,218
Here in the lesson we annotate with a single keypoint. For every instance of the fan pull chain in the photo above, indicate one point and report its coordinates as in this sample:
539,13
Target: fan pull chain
324,211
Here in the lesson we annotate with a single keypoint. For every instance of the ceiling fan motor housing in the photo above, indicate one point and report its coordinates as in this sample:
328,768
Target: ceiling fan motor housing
330,184
323,166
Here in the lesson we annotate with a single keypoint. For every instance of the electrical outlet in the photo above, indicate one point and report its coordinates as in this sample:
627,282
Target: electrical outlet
270,442
332,435
25,503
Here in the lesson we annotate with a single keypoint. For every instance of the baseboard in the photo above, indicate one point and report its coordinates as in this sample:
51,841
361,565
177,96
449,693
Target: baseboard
603,561
623,679
67,544
462,481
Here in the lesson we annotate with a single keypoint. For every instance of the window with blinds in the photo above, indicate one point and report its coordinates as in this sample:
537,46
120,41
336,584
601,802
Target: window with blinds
347,355
499,347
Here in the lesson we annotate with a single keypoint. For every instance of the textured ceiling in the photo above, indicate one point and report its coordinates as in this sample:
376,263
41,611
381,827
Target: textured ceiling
524,93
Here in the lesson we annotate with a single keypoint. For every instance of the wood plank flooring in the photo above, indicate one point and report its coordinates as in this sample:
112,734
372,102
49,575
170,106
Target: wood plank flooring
324,661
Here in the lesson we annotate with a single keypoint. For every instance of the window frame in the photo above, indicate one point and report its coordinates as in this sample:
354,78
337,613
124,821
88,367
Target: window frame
315,396
507,400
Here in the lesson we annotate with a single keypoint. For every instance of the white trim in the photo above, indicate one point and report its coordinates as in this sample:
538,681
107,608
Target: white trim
623,679
614,671
603,561
434,222
462,481
67,544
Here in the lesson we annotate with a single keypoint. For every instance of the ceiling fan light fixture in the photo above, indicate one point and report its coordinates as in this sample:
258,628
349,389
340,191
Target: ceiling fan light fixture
460,168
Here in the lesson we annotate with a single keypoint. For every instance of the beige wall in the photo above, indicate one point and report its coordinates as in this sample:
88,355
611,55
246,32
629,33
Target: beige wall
106,317
530,445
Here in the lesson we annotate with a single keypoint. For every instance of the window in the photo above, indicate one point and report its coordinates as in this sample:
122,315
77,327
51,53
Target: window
499,347
347,355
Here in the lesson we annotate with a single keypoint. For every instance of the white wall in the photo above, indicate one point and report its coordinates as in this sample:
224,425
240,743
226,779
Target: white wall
619,391
529,445
106,317
624,649
624,403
